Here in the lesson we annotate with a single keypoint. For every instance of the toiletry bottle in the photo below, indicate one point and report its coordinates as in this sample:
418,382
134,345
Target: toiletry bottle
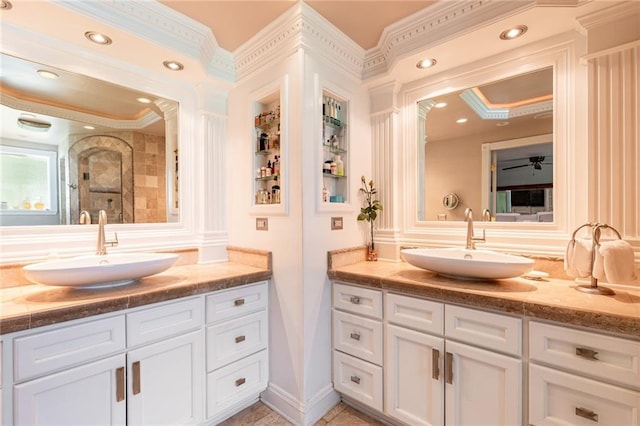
339,165
325,194
334,168
269,170
275,192
276,166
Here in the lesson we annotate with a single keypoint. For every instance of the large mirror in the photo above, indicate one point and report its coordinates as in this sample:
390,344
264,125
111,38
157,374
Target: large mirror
70,143
492,146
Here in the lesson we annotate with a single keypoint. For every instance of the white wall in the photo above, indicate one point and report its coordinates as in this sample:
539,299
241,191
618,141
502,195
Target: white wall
300,236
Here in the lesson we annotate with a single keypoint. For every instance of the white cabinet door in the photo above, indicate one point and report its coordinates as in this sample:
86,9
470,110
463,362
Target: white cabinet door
166,382
413,380
481,387
93,394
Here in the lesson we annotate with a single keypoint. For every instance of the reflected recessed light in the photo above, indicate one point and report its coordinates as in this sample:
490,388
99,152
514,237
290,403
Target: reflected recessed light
5,4
440,105
461,120
144,100
173,65
47,74
426,63
502,123
97,37
89,127
514,32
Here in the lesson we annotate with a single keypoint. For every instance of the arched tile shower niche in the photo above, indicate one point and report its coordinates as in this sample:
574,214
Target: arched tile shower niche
122,174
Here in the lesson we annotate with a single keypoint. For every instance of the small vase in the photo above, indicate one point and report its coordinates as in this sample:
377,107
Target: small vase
372,256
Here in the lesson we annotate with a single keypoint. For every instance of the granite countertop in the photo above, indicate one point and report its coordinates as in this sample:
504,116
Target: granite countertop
549,299
29,306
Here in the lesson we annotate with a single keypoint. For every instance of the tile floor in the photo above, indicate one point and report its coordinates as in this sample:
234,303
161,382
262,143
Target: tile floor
261,415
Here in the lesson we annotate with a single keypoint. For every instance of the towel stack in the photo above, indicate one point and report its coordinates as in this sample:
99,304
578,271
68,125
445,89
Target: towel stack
612,260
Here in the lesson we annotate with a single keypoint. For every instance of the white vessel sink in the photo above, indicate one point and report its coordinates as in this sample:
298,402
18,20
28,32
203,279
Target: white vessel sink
110,270
465,263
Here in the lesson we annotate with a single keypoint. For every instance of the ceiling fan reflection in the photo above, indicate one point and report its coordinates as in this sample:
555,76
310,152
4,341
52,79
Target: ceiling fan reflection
536,162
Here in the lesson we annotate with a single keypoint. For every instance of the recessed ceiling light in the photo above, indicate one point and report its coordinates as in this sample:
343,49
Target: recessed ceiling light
515,32
5,4
502,123
461,120
144,100
47,74
440,105
426,63
88,127
97,38
173,65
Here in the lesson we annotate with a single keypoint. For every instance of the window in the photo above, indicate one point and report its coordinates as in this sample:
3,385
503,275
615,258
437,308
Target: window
28,181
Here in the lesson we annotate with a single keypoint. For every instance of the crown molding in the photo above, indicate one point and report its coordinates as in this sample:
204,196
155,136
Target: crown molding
434,25
163,26
488,112
609,15
54,111
299,27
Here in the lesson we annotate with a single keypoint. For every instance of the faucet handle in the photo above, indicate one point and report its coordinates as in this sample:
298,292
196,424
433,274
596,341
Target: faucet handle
114,242
482,239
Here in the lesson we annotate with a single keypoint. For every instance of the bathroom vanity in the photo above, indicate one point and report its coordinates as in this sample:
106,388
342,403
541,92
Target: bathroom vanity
417,348
188,346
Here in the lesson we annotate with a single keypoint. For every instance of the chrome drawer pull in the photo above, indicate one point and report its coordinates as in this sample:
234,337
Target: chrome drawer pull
587,414
355,300
238,302
355,336
355,379
240,339
587,353
435,361
241,381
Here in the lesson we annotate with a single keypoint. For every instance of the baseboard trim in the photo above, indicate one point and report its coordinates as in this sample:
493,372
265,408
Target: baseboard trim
297,412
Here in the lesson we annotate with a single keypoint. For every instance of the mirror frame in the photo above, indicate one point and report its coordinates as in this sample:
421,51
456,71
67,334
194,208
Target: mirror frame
559,53
25,243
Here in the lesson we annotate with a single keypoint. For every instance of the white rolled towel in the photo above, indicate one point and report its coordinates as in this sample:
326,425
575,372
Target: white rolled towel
615,261
577,260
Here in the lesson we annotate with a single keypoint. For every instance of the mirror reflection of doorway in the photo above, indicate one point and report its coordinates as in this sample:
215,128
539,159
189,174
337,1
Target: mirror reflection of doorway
102,169
100,183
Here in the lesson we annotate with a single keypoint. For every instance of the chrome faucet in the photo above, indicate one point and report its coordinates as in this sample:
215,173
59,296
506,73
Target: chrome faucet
471,240
101,246
85,217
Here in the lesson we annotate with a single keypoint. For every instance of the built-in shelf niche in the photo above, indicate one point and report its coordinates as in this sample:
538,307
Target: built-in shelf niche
334,164
269,153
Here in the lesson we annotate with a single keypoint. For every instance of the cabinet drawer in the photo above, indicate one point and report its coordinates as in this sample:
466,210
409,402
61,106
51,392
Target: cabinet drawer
231,340
41,353
411,312
358,300
562,398
358,379
604,357
492,331
235,382
358,336
163,321
240,301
